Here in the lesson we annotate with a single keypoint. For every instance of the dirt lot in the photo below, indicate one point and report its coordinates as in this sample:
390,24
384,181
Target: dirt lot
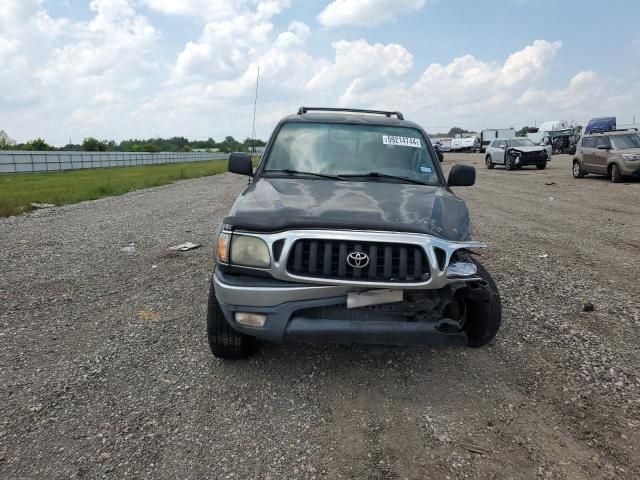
105,371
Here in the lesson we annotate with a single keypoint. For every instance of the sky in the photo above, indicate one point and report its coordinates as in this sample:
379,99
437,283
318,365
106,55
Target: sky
119,69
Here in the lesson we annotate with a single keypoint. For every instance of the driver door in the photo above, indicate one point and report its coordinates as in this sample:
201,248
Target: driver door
587,149
501,146
600,155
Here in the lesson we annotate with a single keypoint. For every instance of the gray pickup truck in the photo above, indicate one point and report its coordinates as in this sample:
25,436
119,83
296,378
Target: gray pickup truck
348,232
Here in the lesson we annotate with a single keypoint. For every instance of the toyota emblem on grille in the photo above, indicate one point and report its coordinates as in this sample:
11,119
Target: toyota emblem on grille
358,259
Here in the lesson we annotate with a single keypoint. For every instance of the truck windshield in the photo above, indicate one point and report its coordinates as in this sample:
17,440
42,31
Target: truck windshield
520,142
624,142
356,152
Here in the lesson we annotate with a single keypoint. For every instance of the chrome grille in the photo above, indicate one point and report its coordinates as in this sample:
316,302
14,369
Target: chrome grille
388,262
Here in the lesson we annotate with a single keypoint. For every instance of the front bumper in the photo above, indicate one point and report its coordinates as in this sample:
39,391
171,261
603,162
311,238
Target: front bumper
285,304
530,160
630,168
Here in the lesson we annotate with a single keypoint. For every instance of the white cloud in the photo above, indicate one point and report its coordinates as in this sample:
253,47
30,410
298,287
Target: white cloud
470,91
197,8
363,60
365,12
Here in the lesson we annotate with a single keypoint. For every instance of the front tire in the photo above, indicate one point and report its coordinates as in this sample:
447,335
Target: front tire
483,316
541,166
489,163
577,170
616,177
224,341
509,164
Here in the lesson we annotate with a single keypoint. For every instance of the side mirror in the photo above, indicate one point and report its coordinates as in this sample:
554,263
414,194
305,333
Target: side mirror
461,176
240,162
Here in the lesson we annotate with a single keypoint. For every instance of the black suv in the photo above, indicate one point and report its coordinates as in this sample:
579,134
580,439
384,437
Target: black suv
348,232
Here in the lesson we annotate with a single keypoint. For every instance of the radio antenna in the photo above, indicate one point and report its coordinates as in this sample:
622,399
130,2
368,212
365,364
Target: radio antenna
255,105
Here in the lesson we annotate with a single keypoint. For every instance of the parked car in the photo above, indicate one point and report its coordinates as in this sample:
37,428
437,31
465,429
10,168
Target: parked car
348,232
438,148
516,153
615,154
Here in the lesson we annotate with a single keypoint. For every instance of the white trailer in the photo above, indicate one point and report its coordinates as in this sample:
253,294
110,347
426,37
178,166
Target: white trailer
489,134
445,144
466,144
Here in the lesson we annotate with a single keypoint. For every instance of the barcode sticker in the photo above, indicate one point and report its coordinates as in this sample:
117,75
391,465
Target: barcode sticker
401,141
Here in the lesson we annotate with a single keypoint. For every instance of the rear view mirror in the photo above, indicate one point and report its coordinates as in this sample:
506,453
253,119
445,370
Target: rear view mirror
461,176
240,162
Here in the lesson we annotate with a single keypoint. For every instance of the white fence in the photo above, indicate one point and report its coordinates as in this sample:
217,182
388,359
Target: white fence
30,162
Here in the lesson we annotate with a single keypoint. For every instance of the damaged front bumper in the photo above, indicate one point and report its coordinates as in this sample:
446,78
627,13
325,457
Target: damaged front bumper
307,313
318,310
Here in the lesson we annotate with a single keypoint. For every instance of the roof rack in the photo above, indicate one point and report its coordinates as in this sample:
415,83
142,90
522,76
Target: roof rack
303,110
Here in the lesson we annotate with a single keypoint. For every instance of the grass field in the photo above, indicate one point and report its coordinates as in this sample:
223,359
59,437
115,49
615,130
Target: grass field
17,192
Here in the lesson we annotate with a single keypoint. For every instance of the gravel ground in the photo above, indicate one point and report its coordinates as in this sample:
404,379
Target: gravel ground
105,370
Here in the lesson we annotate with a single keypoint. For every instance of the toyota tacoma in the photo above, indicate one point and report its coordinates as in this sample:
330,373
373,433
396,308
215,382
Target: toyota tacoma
348,232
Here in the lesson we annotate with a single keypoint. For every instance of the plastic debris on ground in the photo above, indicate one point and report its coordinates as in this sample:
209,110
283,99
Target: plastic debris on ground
43,205
183,247
129,248
544,255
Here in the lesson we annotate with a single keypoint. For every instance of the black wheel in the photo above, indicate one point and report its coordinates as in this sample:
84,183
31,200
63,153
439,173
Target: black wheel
483,316
541,166
572,150
509,164
224,341
489,163
577,170
615,174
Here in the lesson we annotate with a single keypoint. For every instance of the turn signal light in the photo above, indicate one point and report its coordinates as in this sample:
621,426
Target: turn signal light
222,250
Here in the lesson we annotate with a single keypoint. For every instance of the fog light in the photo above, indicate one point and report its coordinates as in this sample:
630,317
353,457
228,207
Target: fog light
462,269
250,319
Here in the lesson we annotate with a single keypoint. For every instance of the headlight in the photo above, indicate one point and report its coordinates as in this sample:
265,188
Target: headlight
249,252
631,156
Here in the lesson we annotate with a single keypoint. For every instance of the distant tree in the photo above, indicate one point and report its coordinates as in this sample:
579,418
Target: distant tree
522,132
91,144
253,142
458,131
37,145
230,144
6,142
145,147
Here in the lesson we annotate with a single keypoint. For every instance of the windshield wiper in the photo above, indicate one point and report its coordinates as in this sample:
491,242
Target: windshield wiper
291,171
384,175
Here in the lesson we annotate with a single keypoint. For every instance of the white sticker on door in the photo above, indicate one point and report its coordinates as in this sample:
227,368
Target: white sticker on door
401,141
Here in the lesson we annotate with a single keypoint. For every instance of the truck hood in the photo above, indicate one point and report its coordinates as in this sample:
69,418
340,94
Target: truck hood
276,204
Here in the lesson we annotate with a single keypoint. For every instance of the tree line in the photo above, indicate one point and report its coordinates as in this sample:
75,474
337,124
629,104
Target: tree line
173,144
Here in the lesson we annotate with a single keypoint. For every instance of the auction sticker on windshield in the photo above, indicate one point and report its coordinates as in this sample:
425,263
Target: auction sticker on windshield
402,141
